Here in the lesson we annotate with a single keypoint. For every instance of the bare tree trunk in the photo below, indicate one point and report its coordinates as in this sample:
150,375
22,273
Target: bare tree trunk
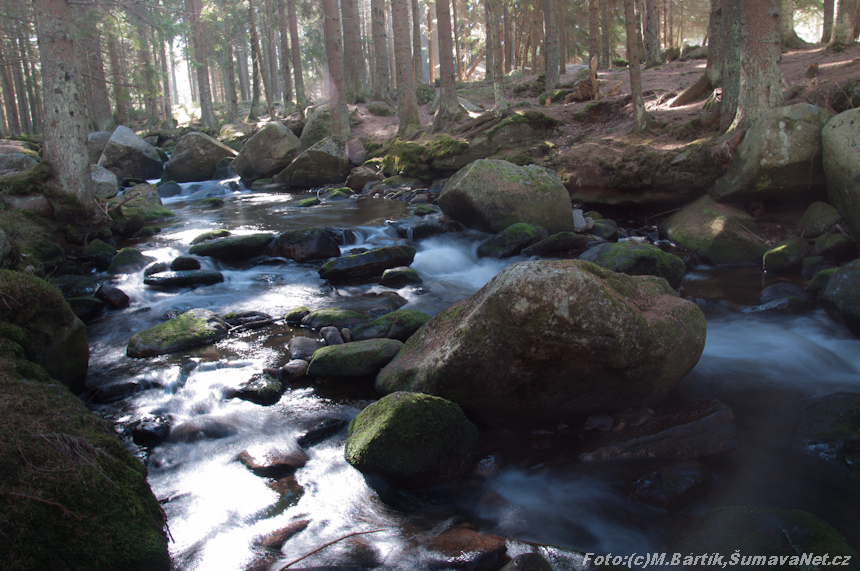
21,91
562,38
416,43
449,106
4,131
407,102
392,61
120,93
509,38
169,121
355,77
537,25
101,114
843,26
712,78
593,30
731,72
640,120
301,97
232,100
606,31
254,110
255,45
456,42
551,43
33,83
488,33
286,72
334,55
200,58
432,62
827,24
760,77
65,141
272,51
652,34
383,78
9,93
501,106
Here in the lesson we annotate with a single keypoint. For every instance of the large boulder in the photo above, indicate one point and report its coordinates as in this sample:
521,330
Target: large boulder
636,259
490,195
105,183
139,205
317,127
840,142
717,232
191,329
367,264
412,440
233,247
304,245
96,143
779,158
512,240
359,359
128,156
400,324
843,292
566,338
324,163
16,162
184,278
267,153
38,325
195,157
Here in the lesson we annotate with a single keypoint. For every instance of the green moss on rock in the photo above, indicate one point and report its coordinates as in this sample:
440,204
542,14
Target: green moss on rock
400,325
636,259
128,260
191,329
358,359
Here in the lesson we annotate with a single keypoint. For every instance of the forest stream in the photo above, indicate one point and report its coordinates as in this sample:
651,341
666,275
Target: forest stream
765,366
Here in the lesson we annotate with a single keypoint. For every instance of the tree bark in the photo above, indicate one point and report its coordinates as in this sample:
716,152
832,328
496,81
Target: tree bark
301,97
254,110
501,106
488,75
255,45
101,113
167,100
712,78
449,106
65,136
381,88
21,91
200,61
355,76
244,79
760,77
827,24
416,43
456,42
843,26
232,99
640,120
118,76
407,102
509,38
272,50
606,31
286,73
593,30
562,20
652,34
430,57
788,36
550,15
9,92
334,55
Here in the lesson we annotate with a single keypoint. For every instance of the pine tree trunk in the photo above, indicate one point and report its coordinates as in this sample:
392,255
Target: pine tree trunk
383,78
101,113
261,64
9,92
430,46
416,43
200,62
21,92
4,130
562,38
254,110
509,38
488,33
149,87
272,51
712,78
449,106
843,26
334,56
118,76
606,31
391,57
652,34
407,102
640,120
593,30
230,80
286,72
33,87
65,137
551,43
731,72
457,55
760,77
501,105
301,97
353,54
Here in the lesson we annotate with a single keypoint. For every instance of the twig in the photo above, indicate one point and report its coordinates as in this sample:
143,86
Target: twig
323,546
251,325
756,236
662,213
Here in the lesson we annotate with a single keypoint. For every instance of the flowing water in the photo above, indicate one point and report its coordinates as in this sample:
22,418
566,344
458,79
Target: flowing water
765,368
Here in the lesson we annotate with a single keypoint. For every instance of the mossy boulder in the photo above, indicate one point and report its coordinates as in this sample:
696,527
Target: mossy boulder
406,158
425,93
128,260
490,195
262,389
191,329
325,162
129,216
307,202
830,429
367,264
843,292
819,281
840,141
105,183
30,241
636,259
295,316
342,193
558,242
317,127
195,158
128,156
779,158
361,176
400,324
211,235
817,219
359,359
399,277
304,244
332,317
99,254
38,325
787,255
267,153
412,440
836,245
233,247
605,228
512,240
85,308
74,497
717,232
567,338
777,539
381,109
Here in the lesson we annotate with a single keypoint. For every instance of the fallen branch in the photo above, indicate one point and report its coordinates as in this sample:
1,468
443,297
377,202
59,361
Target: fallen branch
488,116
323,546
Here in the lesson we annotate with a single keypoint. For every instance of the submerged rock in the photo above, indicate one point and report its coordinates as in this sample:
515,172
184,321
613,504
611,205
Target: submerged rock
636,259
843,292
512,240
191,329
233,247
184,278
830,429
565,337
672,486
128,260
367,264
304,245
464,548
262,389
412,440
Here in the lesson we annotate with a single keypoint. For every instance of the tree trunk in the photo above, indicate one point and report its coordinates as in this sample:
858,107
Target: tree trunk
501,106
432,61
488,75
827,25
383,78
416,43
286,73
118,76
760,77
244,80
509,38
537,27
550,16
788,37
255,45
65,137
652,34
407,102
150,88
456,42
232,99
334,56
606,31
21,92
355,77
593,30
33,84
272,50
9,92
712,78
254,110
101,114
449,106
200,59
731,72
562,38
640,120
843,26
301,97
